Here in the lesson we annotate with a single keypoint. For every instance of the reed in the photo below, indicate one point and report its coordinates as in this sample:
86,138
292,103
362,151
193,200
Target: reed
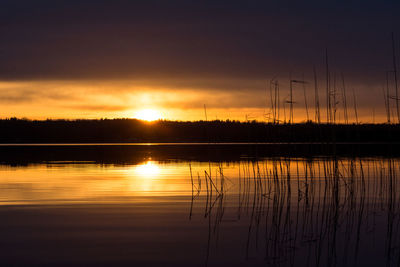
312,212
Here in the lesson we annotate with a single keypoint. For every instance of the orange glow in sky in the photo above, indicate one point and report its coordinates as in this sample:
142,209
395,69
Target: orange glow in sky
149,101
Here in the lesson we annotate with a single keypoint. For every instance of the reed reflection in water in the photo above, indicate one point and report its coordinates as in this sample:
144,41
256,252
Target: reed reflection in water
321,212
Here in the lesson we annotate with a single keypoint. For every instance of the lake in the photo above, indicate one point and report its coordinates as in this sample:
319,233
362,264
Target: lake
200,205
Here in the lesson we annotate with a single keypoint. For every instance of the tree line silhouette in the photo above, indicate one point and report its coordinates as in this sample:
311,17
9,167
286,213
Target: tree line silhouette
132,130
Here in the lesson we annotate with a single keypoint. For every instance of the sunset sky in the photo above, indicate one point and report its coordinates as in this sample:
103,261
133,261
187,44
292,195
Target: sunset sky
97,59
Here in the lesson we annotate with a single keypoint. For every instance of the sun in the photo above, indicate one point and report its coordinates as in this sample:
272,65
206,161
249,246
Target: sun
148,115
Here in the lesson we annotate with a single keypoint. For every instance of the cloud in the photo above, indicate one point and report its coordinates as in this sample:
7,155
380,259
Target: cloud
97,107
28,92
181,40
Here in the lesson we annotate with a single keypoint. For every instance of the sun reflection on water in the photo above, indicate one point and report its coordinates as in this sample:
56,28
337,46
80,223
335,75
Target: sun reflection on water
146,178
149,169
95,183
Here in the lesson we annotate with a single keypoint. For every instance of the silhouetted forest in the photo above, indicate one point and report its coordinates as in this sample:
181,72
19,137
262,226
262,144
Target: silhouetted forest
132,130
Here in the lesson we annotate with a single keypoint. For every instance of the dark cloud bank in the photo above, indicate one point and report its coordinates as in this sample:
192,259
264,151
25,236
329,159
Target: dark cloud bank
181,40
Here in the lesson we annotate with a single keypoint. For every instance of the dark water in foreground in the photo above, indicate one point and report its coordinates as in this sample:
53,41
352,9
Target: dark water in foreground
198,206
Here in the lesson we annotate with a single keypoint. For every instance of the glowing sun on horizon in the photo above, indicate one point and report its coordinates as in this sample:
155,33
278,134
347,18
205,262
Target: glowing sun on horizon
148,115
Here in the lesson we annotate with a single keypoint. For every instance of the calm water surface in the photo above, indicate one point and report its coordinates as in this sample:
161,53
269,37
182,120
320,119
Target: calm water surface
163,207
